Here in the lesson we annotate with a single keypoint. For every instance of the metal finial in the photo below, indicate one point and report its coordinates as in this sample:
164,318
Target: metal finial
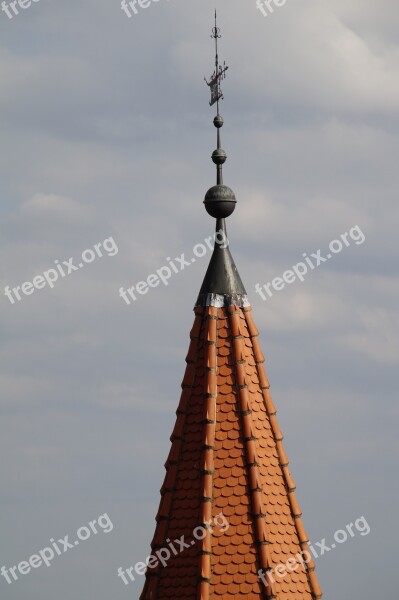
219,72
219,156
219,200
222,278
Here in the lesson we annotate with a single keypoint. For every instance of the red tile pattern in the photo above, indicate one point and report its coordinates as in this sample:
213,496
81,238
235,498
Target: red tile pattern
227,457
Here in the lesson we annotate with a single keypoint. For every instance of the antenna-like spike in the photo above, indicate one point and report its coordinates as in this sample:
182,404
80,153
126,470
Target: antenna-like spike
219,156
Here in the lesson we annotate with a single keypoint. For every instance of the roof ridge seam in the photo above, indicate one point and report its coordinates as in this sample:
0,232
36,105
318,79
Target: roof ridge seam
207,450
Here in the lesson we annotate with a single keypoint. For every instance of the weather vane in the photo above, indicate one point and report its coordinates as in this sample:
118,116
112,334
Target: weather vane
219,156
219,72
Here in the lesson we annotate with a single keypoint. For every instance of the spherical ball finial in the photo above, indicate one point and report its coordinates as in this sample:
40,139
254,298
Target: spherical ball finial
220,201
218,121
219,156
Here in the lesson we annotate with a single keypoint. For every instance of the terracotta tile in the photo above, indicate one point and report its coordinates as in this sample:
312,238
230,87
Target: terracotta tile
228,443
223,332
246,569
241,509
219,568
195,331
235,324
253,330
223,350
224,371
220,589
221,436
234,501
259,356
223,361
236,559
239,577
227,491
226,380
223,453
211,332
245,588
224,388
223,501
226,425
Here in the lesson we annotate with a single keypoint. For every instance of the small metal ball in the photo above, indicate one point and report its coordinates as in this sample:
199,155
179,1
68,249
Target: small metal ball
218,121
219,156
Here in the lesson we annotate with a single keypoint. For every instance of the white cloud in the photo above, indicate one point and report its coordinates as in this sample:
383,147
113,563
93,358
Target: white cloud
55,207
19,391
378,338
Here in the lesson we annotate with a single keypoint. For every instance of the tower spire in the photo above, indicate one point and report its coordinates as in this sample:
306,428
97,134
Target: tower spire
222,284
228,490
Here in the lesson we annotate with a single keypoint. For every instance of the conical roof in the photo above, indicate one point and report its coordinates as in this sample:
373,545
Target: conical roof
228,478
228,525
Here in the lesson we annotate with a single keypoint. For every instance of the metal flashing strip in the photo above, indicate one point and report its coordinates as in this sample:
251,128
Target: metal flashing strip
222,300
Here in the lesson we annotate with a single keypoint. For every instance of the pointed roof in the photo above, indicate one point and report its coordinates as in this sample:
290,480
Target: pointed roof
227,458
228,519
222,277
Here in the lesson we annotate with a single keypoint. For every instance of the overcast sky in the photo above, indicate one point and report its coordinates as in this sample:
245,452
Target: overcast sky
107,133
